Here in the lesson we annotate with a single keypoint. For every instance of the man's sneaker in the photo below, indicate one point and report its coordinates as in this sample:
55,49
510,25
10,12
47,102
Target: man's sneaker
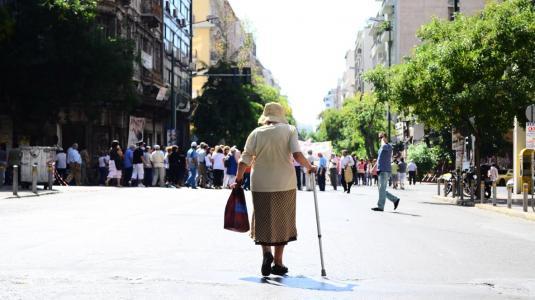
140,185
377,209
396,203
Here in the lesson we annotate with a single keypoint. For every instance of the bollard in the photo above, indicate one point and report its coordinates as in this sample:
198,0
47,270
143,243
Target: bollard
509,195
482,192
525,198
34,179
445,188
472,191
50,176
494,191
15,180
438,187
453,188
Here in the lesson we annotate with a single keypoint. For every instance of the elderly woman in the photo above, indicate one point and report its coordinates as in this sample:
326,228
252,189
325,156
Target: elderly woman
273,184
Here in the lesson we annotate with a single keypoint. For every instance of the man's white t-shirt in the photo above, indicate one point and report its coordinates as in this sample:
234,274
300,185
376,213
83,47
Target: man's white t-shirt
208,160
61,160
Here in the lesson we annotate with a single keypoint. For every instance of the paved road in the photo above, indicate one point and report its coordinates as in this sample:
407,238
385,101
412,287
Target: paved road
152,243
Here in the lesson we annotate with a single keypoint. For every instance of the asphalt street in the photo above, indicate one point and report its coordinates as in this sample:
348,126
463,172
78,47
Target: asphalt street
161,243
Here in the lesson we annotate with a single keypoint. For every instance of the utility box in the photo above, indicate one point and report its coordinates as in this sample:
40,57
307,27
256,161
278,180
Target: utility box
527,166
39,156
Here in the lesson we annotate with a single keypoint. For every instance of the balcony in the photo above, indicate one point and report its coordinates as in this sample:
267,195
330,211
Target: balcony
151,12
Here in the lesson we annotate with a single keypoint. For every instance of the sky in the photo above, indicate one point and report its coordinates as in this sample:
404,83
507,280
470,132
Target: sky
303,42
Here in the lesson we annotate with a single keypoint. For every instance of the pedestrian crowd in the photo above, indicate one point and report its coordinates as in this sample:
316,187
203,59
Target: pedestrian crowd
142,165
349,170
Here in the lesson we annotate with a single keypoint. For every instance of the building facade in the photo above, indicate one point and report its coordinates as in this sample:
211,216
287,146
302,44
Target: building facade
348,87
363,59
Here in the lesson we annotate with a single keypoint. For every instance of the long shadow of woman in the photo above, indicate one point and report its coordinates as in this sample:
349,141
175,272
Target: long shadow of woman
303,282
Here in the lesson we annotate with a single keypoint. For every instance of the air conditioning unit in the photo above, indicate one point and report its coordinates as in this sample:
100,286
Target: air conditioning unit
182,23
167,7
175,13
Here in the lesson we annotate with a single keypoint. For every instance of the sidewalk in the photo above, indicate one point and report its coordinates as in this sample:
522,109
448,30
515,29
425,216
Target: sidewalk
6,192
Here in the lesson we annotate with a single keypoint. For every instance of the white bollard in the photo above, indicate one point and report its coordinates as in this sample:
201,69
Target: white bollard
494,191
34,179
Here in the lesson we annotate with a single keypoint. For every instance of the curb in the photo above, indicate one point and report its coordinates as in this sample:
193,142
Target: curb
448,200
43,193
506,211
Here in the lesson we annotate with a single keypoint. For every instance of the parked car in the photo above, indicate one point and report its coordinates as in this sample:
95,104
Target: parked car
504,176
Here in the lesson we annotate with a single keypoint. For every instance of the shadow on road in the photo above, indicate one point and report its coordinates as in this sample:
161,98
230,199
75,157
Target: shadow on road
438,203
404,214
302,282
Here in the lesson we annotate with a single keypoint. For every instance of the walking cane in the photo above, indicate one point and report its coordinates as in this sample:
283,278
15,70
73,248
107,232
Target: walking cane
313,178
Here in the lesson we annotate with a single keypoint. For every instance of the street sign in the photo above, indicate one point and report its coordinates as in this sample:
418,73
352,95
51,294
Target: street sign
530,135
530,113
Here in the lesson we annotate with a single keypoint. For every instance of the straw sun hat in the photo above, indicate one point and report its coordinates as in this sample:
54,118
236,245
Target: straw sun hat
273,112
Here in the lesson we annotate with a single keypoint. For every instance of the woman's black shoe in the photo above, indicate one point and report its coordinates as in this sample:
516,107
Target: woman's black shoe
279,270
266,264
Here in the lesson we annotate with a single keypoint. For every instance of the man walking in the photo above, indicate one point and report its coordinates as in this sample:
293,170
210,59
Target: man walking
138,160
74,160
158,169
201,164
333,171
191,159
384,169
411,167
297,167
402,173
128,165
322,170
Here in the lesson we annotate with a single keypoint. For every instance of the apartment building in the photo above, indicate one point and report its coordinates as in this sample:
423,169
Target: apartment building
363,58
348,88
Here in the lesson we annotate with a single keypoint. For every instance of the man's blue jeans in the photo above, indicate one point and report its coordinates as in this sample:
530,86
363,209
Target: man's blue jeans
191,179
383,194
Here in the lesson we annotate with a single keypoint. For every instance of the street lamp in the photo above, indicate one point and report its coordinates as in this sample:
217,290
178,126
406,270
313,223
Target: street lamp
389,29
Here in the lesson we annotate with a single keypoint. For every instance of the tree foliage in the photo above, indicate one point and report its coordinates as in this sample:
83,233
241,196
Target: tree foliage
53,55
355,126
475,73
227,111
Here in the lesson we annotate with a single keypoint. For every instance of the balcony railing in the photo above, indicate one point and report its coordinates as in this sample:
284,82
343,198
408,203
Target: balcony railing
151,12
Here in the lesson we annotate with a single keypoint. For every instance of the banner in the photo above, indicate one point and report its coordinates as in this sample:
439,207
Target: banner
324,148
135,130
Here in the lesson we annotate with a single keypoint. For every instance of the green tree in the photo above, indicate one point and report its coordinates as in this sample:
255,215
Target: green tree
53,56
475,73
355,126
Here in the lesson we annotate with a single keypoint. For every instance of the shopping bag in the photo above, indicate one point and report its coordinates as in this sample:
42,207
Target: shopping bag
236,217
348,174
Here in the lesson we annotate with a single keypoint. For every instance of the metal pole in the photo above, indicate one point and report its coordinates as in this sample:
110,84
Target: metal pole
438,188
461,193
509,195
34,179
15,180
445,187
494,191
454,188
525,198
313,178
388,116
472,191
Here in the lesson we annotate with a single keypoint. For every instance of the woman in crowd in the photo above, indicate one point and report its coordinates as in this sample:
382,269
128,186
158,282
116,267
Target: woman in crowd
115,164
346,166
219,167
273,184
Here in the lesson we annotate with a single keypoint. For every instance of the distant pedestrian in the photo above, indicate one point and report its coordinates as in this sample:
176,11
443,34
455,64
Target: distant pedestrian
115,165
384,168
209,163
247,178
85,166
273,185
103,162
394,173
128,165
138,161
361,171
232,168
174,167
61,163
147,166
308,177
413,170
74,160
218,159
402,173
346,165
192,163
297,167
158,168
375,173
333,171
202,178
493,173
322,172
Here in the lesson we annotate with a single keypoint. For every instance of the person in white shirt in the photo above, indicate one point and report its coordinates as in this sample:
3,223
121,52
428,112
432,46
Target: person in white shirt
157,159
347,173
103,161
493,173
208,161
308,176
218,166
61,163
413,169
